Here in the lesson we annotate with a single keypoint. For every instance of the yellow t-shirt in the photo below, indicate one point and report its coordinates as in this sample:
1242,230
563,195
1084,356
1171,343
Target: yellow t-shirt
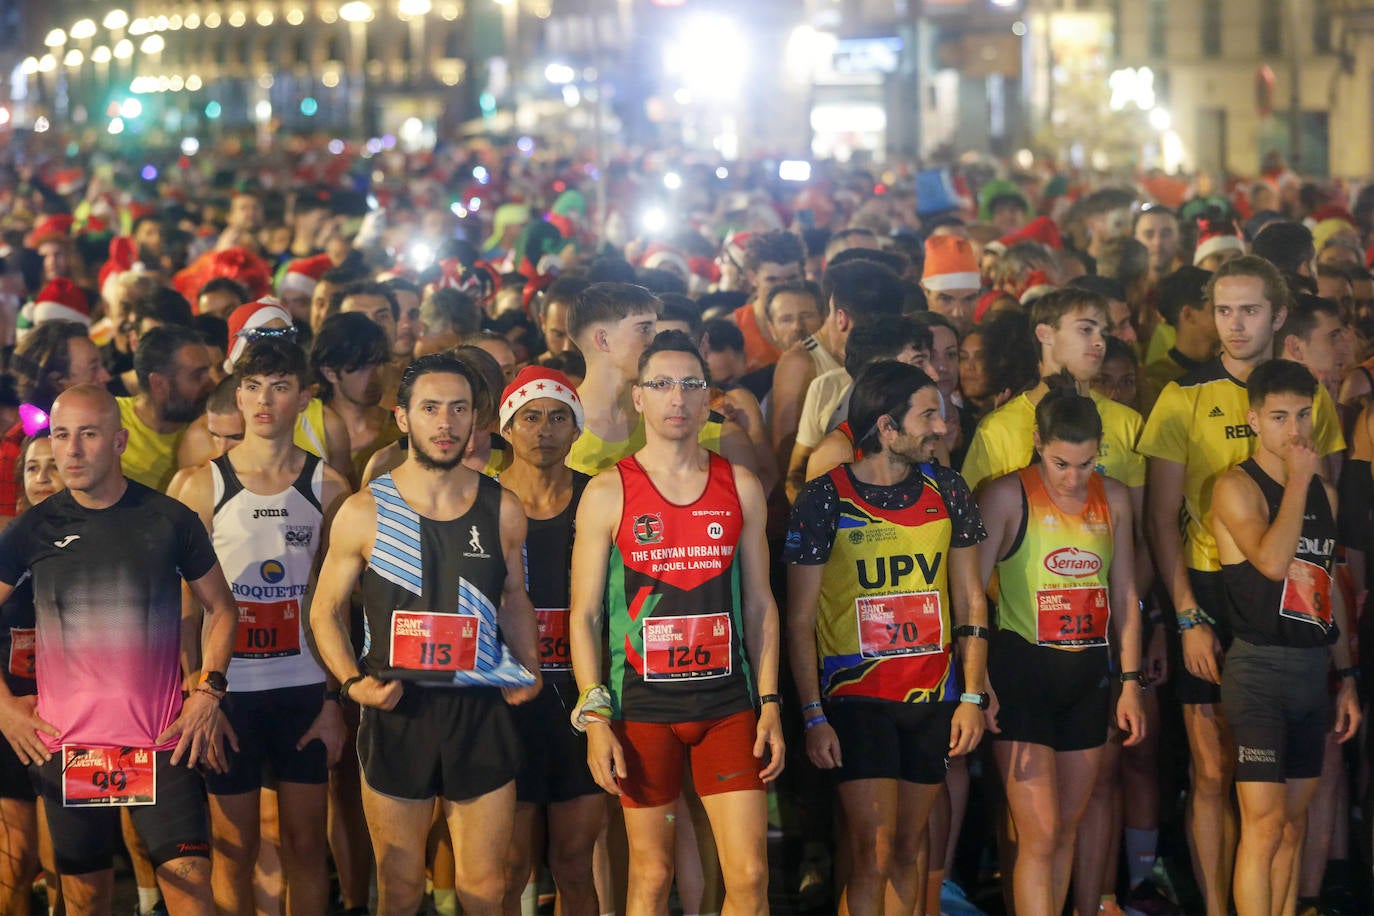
1161,342
1003,442
309,434
1200,422
590,454
150,458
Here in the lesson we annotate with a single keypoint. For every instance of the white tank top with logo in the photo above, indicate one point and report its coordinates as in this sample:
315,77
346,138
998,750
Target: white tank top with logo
266,546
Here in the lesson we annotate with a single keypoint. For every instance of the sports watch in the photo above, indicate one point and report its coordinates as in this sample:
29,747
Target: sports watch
981,700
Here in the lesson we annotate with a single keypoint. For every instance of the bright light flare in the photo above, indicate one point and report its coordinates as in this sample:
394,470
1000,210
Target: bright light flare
709,56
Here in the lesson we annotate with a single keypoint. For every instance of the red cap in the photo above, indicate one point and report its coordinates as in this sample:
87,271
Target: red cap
1041,229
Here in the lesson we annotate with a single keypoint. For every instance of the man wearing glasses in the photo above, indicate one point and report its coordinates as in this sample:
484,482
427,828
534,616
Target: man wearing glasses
671,542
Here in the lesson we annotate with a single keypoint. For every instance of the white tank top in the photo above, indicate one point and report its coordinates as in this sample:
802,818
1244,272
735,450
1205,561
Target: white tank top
266,546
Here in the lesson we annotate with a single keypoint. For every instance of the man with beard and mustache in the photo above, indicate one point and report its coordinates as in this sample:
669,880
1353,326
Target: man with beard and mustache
438,551
173,369
882,579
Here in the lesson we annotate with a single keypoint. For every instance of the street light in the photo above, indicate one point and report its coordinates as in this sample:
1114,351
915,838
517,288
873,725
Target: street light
153,44
415,11
101,55
56,38
47,63
83,29
124,49
29,67
74,58
357,13
115,19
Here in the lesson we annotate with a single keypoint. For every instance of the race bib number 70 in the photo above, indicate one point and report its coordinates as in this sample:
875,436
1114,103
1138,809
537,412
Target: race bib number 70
892,625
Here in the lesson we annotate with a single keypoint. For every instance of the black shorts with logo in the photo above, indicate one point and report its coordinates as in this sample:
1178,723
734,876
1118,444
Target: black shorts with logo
457,743
268,723
83,838
1055,697
884,739
1278,705
555,767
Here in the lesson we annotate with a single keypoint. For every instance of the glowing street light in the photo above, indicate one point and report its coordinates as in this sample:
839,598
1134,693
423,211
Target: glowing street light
101,55
29,67
74,58
83,29
153,44
411,8
47,63
124,49
56,38
356,11
115,19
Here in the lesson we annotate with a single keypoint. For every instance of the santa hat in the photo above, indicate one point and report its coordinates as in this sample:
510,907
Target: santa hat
1214,237
950,264
58,226
61,300
664,257
1036,284
302,274
1041,229
123,258
539,382
246,317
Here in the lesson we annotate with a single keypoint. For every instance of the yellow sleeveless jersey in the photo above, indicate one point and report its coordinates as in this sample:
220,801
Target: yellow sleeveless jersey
150,458
590,454
1200,422
1161,342
1003,442
309,434
1054,582
883,618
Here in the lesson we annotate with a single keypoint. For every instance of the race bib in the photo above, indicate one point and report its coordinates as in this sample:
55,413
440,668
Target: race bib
422,641
554,654
23,662
676,648
892,625
108,777
1071,618
268,629
1307,594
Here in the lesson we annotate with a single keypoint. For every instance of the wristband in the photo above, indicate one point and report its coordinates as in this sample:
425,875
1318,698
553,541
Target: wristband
1132,676
770,698
1193,616
348,685
1353,672
209,693
972,630
333,696
814,721
814,704
593,704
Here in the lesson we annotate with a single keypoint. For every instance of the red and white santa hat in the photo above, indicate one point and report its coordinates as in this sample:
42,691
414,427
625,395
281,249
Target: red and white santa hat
302,274
246,317
61,300
1214,237
535,382
950,264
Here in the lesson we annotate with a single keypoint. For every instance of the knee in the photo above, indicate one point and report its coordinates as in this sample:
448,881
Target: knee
1212,777
874,851
571,864
652,873
1263,833
746,875
304,843
907,849
1038,840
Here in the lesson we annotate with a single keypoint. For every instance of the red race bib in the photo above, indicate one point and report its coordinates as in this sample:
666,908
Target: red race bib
108,777
554,654
687,647
1307,594
22,660
422,641
268,629
1072,618
891,625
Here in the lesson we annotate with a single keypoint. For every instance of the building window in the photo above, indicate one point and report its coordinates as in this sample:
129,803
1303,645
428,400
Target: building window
1321,26
1211,28
1158,14
1271,26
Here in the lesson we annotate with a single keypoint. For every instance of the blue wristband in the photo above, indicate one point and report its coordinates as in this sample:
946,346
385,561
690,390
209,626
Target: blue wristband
816,720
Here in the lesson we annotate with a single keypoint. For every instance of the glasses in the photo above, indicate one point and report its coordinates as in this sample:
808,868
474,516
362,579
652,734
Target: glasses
252,334
686,384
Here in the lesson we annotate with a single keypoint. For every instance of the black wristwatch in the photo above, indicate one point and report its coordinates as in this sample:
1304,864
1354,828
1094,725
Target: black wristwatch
216,681
1133,676
972,630
332,696
770,698
982,699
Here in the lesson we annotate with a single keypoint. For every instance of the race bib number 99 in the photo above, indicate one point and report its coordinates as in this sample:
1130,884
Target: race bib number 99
1071,618
892,625
108,777
1307,594
676,648
434,642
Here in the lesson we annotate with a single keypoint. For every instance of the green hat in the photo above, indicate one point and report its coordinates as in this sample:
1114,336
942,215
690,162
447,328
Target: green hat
998,189
507,215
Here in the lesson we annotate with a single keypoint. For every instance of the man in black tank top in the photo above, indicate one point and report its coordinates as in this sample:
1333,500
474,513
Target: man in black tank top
1273,519
541,415
438,549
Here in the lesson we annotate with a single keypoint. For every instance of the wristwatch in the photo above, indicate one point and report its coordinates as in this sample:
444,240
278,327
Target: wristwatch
982,700
216,681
